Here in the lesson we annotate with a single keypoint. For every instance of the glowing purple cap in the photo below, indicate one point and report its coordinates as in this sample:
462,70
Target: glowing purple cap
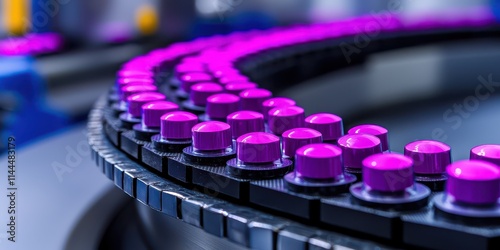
129,90
298,137
233,78
153,111
429,157
258,147
487,152
355,148
276,102
136,101
473,182
201,91
190,79
236,88
245,121
219,106
220,71
125,81
375,130
285,118
211,135
177,125
134,73
252,99
329,125
185,68
319,161
388,172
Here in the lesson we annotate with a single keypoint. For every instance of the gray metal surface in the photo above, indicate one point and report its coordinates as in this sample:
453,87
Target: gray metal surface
55,200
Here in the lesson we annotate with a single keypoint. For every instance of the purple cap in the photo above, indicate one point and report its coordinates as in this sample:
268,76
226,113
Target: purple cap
236,88
429,157
319,161
134,73
298,137
127,91
473,182
329,125
211,135
252,99
125,81
488,152
153,111
233,78
258,147
388,172
219,106
190,79
245,121
136,101
201,91
375,130
177,125
285,118
220,71
185,68
276,102
355,148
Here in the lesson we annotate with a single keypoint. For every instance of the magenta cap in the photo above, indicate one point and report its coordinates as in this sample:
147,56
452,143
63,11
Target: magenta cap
221,71
329,125
258,147
276,102
429,157
133,80
298,137
252,99
136,101
375,130
245,121
236,88
153,111
201,91
285,118
473,182
233,78
389,172
127,91
190,79
134,73
488,152
185,68
219,106
177,125
211,135
319,161
355,148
